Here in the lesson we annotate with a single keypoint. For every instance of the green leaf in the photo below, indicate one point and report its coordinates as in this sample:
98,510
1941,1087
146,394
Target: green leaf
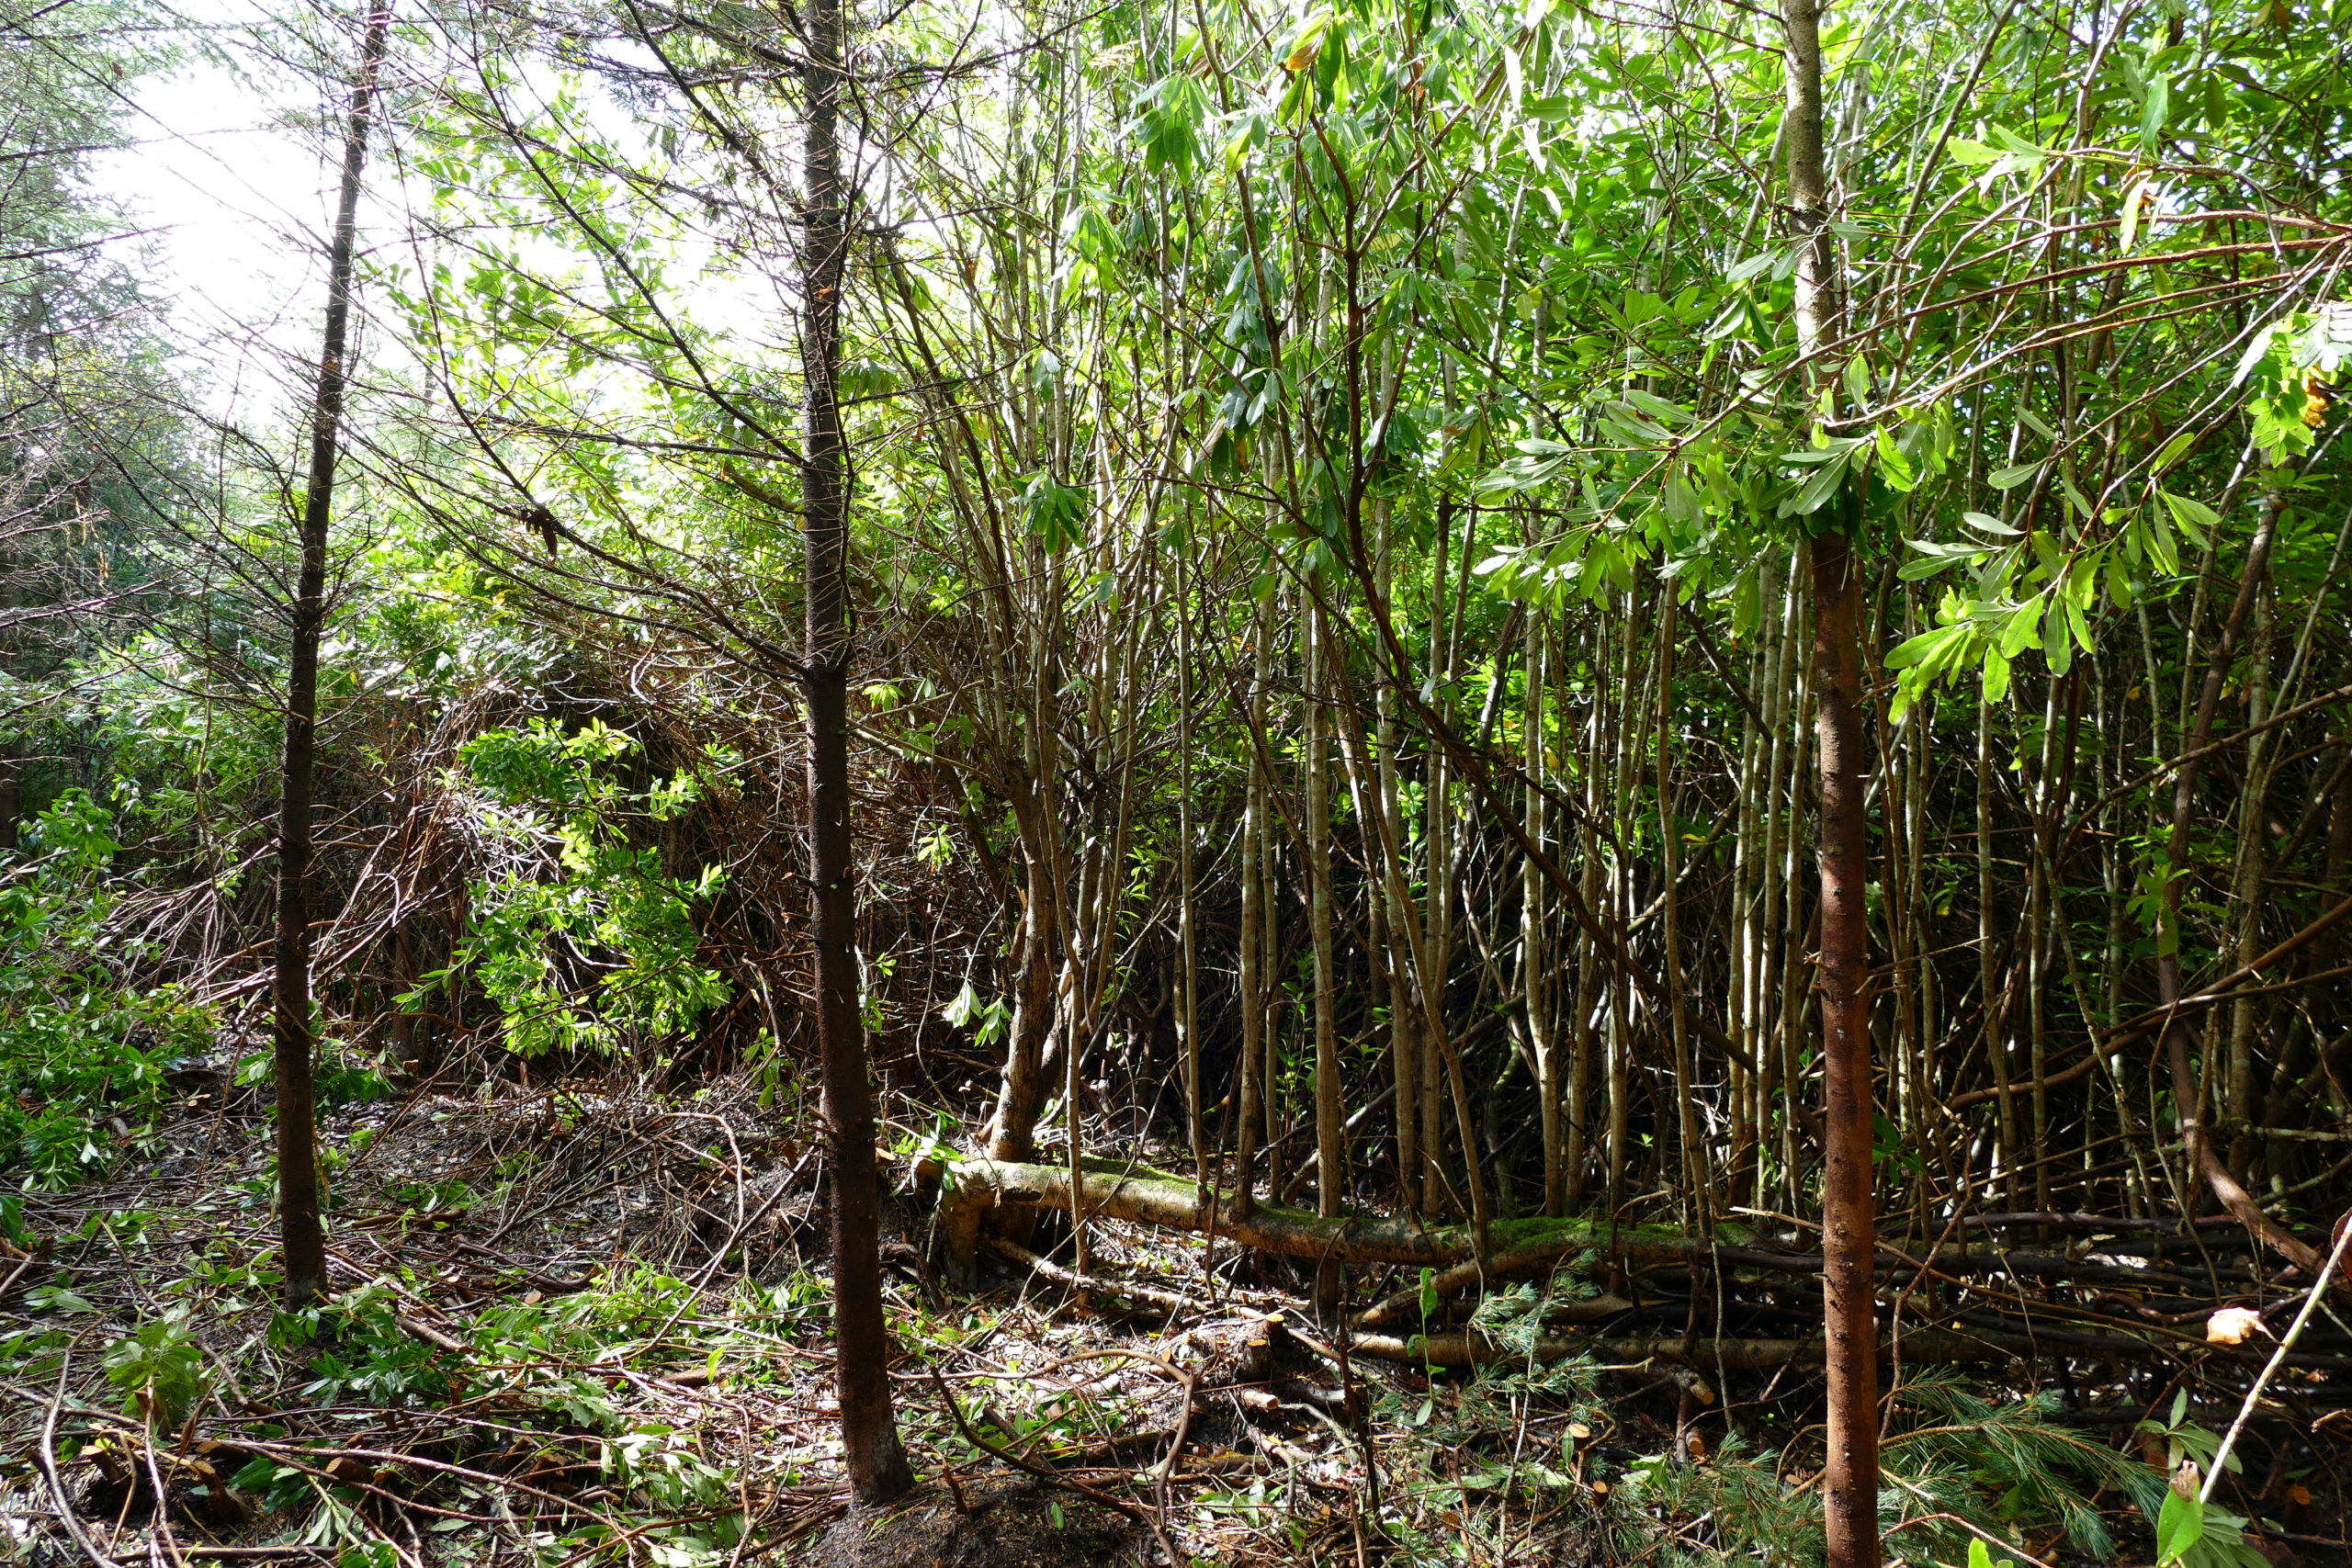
2009,478
1927,649
2075,497
1980,1558
1894,467
1974,154
2153,115
1055,511
1939,559
1858,379
2057,644
1657,408
1996,677
2020,631
2012,141
2179,1527
2192,517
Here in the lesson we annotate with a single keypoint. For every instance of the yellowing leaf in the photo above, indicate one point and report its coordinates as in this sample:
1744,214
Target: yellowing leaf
2131,200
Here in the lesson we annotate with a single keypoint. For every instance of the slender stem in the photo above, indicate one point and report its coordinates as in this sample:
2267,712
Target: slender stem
302,1232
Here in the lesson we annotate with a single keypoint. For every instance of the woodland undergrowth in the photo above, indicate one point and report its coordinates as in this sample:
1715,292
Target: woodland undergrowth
581,1319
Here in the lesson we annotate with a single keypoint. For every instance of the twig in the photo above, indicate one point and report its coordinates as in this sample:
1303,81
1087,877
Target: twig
2279,1356
1094,1283
1990,1539
65,1515
18,1272
163,1500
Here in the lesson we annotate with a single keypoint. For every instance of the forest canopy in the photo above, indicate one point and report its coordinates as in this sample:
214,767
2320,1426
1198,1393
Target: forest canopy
947,781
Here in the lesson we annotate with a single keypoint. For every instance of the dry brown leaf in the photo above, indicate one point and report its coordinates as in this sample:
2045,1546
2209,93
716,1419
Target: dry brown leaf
2232,1326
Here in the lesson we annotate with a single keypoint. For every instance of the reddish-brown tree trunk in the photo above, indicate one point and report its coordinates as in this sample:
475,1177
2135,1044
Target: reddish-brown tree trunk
877,1464
1849,1483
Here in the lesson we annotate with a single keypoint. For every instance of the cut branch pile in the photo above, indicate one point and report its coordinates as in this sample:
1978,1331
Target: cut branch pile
1967,1301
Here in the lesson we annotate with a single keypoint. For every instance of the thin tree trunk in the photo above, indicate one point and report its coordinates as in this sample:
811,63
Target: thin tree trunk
1188,960
1990,992
2179,1037
1437,931
2038,931
1849,1483
878,1465
1588,1001
1331,1115
2246,892
1400,920
1250,1075
1535,969
1773,1001
1697,1184
1012,1133
303,1237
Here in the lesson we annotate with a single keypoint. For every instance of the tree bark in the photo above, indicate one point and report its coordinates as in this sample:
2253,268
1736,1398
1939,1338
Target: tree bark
303,1235
877,1464
1849,1483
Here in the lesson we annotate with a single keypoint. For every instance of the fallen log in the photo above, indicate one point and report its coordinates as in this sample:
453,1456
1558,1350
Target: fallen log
1919,1346
1471,1348
1138,1193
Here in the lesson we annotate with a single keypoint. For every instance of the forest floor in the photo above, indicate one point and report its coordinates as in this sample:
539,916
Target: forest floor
584,1322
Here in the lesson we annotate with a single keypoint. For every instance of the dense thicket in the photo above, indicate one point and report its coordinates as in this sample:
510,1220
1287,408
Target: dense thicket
1340,662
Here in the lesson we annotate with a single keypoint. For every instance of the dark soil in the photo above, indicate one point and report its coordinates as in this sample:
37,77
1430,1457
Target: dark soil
998,1524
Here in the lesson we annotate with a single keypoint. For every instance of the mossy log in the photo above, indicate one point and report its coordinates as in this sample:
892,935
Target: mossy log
1130,1190
1141,1193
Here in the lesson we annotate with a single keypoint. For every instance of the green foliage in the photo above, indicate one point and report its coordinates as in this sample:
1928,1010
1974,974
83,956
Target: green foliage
598,949
447,1196
160,1371
1055,511
2185,1440
340,1074
1751,1514
79,1049
2190,1530
366,1354
2005,1465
